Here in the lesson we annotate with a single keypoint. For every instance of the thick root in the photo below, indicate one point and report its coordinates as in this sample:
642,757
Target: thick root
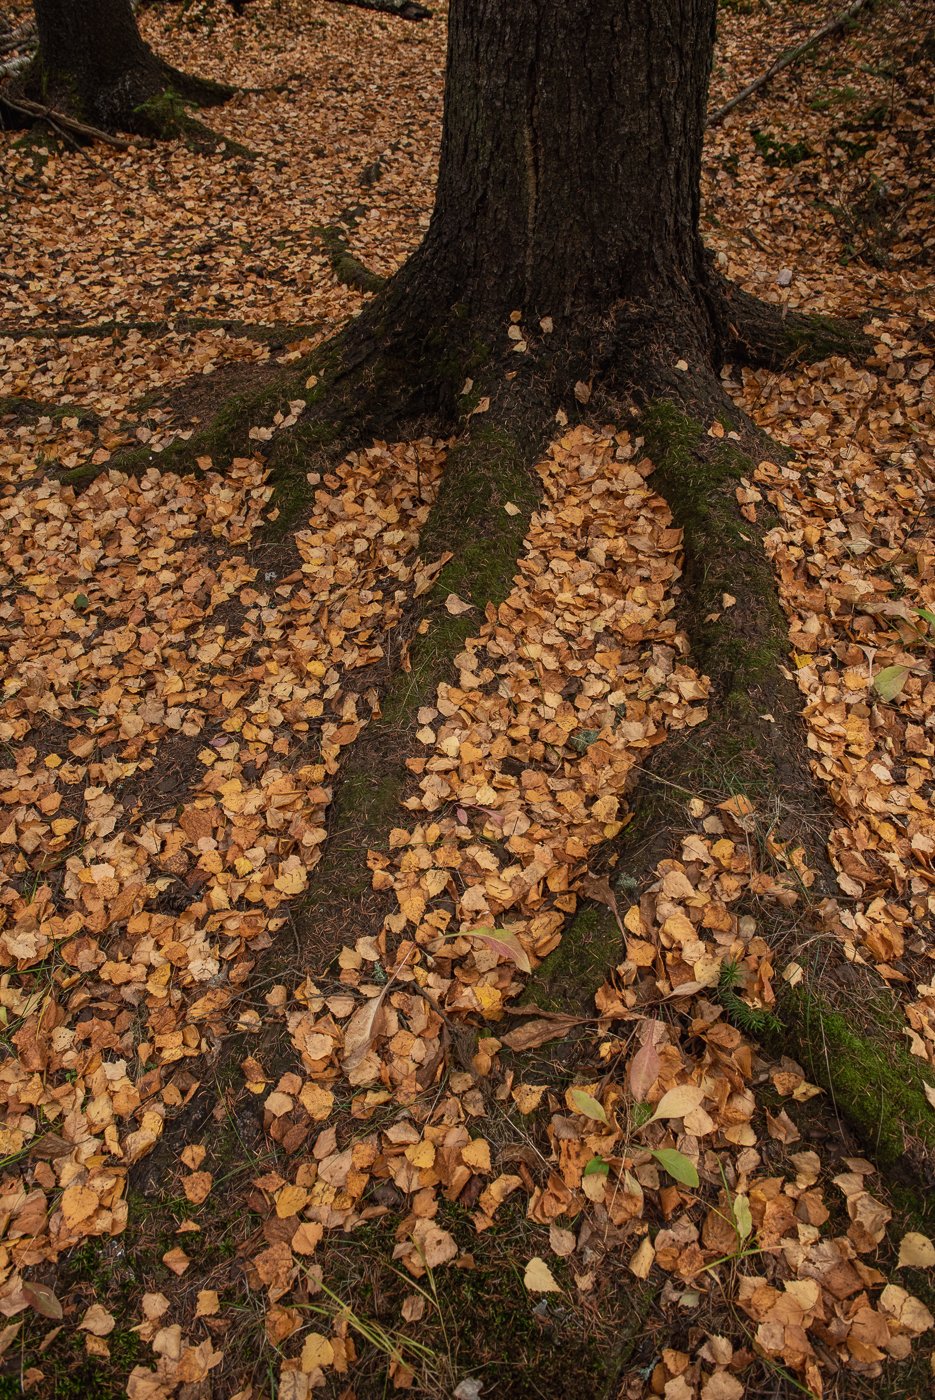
346,268
758,333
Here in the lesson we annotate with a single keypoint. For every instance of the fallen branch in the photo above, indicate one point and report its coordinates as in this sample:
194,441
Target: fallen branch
786,59
405,9
15,65
64,123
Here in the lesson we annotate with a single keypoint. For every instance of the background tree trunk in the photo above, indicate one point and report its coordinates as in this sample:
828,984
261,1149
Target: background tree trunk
92,63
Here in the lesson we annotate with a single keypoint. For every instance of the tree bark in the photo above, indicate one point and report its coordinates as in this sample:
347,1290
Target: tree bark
569,189
92,63
571,150
569,176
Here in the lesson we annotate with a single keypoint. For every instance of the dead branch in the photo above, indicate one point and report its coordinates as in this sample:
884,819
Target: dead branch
62,122
405,9
786,59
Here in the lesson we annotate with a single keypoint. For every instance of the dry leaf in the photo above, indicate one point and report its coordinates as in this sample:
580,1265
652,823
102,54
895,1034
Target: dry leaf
538,1277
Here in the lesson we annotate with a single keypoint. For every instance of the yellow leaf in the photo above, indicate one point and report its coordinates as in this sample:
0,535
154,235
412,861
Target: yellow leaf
528,1096
916,1252
208,1303
642,1260
586,1104
78,1204
316,1351
476,1154
421,1154
538,1277
290,1200
678,1101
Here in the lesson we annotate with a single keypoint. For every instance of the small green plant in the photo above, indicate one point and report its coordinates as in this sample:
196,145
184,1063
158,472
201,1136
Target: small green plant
776,152
888,682
754,1021
740,1220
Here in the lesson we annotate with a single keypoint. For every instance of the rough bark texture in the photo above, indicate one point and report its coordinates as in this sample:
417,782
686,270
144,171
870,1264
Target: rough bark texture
569,177
569,188
92,63
572,150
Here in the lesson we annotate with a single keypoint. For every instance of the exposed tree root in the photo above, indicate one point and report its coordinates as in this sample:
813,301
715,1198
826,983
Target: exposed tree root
374,379
348,269
386,374
403,9
276,334
20,409
759,333
840,1022
227,434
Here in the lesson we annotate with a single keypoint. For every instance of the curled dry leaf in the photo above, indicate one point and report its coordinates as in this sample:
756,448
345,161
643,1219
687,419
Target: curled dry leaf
98,1321
502,942
456,606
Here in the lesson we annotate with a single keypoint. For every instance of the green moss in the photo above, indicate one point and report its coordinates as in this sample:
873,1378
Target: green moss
873,1081
777,152
813,338
346,268
568,978
27,410
740,647
222,438
165,114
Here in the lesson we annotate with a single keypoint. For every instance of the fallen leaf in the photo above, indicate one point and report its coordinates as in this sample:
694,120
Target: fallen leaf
538,1277
916,1251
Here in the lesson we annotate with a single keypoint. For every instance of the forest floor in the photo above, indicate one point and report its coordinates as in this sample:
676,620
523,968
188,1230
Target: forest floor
342,1051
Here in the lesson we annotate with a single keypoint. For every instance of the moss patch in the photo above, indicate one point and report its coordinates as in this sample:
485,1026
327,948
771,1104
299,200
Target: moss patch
346,268
570,975
813,338
874,1083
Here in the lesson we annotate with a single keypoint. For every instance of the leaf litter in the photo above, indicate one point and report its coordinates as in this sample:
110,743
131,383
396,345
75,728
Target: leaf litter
137,623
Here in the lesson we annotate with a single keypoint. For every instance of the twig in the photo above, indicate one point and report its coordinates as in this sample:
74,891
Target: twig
786,59
59,119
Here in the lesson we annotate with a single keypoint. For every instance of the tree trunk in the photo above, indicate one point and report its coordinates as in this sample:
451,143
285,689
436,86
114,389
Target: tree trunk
569,188
571,151
569,174
566,227
93,64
